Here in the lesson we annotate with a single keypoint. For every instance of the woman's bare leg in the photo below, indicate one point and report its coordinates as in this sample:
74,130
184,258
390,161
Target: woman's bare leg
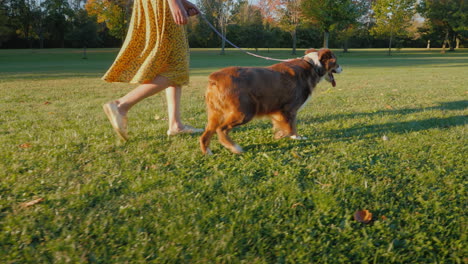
117,111
173,94
141,92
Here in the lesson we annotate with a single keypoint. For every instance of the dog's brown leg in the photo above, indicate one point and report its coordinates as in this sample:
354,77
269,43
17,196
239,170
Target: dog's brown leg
223,132
282,125
205,141
213,124
291,120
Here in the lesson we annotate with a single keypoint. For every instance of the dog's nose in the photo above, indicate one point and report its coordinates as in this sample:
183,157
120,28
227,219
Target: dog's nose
339,69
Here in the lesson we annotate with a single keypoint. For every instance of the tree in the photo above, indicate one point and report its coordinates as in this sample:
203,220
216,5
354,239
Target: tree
223,13
39,27
219,13
285,14
84,31
290,19
57,14
392,17
252,31
5,30
355,15
21,18
449,16
329,14
269,10
114,13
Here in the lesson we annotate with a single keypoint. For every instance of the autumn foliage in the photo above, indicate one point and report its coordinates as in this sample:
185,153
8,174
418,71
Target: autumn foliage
113,13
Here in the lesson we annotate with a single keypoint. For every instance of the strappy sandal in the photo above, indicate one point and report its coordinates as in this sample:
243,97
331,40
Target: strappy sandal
185,130
118,121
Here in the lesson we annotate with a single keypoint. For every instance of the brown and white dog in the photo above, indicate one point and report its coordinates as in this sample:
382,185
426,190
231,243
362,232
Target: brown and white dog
235,95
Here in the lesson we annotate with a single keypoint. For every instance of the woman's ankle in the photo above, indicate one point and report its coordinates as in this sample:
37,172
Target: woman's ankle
122,107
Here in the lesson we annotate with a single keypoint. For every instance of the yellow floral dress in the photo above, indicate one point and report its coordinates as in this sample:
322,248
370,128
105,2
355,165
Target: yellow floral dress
155,45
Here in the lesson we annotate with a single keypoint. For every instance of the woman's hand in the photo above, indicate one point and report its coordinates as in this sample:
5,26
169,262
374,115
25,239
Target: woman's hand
179,13
192,9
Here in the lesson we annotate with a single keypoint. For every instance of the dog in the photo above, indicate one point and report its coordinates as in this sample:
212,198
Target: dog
235,95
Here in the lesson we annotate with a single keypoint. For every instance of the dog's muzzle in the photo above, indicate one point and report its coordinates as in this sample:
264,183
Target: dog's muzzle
329,77
338,70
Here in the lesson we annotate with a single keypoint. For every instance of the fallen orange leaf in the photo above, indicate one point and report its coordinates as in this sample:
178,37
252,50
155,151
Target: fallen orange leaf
389,107
33,202
363,216
295,155
296,205
324,184
25,145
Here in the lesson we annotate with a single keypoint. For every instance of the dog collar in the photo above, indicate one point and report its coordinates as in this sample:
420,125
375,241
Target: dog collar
317,68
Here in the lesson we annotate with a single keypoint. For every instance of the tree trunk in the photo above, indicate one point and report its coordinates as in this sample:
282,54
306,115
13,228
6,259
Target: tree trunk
390,44
326,35
62,41
294,39
41,39
445,42
223,46
345,45
84,53
223,41
453,41
458,43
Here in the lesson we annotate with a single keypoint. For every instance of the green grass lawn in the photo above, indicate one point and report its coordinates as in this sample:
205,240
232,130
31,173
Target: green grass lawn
157,199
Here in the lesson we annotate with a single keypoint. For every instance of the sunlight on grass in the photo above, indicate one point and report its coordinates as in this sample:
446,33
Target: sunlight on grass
390,138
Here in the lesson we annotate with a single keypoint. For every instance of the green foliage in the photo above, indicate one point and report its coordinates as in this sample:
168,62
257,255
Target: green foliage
392,16
328,14
331,14
5,30
57,23
85,31
156,199
56,19
449,17
114,14
20,13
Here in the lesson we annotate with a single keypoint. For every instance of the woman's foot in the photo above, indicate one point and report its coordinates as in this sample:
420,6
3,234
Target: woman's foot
117,120
185,129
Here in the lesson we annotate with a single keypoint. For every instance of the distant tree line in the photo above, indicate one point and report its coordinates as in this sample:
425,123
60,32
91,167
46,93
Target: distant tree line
260,24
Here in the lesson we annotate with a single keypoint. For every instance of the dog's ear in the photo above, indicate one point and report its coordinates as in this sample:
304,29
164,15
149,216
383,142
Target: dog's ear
324,54
326,58
309,51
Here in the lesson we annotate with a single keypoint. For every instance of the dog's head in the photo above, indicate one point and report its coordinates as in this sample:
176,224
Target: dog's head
325,63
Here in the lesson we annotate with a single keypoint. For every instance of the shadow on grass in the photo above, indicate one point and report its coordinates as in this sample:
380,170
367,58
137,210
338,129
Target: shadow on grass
450,106
369,130
407,62
398,127
16,76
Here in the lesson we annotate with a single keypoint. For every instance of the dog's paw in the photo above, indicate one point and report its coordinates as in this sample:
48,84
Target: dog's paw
280,134
208,152
237,149
297,137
